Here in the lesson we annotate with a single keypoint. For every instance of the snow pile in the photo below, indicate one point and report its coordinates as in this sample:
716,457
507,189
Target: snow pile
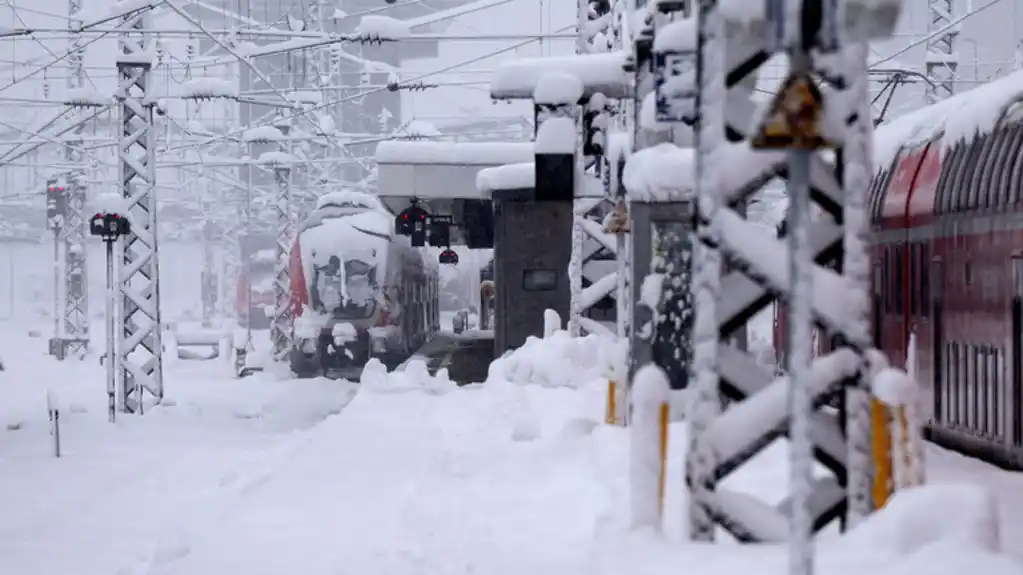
414,377
556,136
917,519
521,176
352,199
110,203
206,88
561,360
558,88
262,134
660,173
376,28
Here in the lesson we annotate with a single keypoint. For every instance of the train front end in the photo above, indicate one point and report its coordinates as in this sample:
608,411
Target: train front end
339,270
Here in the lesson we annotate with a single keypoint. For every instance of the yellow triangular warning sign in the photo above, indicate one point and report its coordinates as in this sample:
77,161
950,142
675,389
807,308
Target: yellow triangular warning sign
793,122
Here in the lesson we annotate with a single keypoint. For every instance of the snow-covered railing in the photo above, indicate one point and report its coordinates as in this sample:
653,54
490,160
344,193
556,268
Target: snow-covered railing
649,445
898,443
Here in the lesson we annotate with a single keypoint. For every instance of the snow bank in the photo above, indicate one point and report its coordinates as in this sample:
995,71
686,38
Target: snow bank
556,136
660,173
378,27
561,360
957,515
414,377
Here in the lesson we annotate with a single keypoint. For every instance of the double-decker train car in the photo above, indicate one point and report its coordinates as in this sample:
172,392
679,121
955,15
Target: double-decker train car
946,211
359,289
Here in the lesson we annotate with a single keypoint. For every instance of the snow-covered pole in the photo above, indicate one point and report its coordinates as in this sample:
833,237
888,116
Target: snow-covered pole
857,166
556,99
648,447
800,324
706,401
283,318
53,410
111,353
76,296
140,349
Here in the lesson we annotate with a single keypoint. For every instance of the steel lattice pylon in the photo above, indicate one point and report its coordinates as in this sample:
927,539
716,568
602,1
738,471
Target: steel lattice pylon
284,313
730,383
76,293
942,61
140,349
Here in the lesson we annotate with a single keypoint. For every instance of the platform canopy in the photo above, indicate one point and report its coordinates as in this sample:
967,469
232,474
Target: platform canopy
441,170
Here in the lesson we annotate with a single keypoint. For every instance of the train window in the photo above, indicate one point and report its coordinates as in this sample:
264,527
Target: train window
539,280
968,272
964,177
1013,165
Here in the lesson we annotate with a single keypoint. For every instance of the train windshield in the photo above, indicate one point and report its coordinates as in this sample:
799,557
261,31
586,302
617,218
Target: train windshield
358,299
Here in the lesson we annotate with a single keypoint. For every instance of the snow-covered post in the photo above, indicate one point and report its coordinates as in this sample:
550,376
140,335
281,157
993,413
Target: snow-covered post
283,316
556,98
710,71
53,411
648,447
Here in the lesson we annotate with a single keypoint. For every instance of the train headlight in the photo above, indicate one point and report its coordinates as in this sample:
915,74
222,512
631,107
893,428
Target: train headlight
308,346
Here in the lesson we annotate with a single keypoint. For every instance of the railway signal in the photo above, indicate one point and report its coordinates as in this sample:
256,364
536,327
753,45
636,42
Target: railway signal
110,226
448,256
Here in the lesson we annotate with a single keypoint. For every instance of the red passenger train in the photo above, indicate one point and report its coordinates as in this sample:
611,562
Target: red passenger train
946,212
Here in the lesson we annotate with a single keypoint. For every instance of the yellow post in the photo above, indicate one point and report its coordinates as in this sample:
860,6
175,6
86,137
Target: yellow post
663,444
611,414
880,433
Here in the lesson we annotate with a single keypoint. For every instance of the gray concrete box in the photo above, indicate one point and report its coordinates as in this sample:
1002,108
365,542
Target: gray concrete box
531,257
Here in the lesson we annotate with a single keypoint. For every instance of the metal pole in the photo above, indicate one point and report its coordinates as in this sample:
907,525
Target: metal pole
111,336
58,314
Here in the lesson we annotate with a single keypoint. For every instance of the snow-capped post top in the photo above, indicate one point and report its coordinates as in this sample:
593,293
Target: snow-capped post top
275,158
110,203
661,173
678,36
556,136
651,387
558,89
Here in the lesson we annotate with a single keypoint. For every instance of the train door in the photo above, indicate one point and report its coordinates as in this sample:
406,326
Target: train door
894,234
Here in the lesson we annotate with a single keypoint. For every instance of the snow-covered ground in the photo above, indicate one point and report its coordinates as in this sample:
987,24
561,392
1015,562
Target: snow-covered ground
402,476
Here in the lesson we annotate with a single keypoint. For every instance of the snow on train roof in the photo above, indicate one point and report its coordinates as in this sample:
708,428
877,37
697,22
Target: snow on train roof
963,116
349,199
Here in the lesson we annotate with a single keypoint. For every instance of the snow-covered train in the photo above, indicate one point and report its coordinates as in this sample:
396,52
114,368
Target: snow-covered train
359,289
946,211
254,292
